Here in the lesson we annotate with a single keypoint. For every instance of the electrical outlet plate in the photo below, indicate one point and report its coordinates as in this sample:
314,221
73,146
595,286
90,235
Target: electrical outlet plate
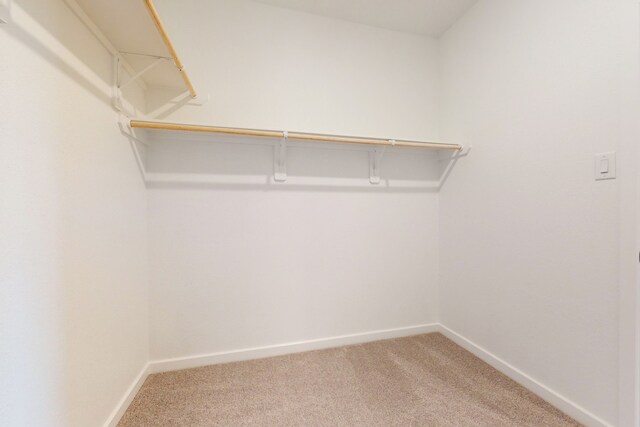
605,166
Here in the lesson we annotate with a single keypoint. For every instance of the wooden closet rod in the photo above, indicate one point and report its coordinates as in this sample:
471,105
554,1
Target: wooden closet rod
292,135
167,41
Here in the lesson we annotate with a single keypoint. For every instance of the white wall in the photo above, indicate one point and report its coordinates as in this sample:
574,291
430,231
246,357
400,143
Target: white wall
73,297
268,67
529,241
529,244
235,266
242,261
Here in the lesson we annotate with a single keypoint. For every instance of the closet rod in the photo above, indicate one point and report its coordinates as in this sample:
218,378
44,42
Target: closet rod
167,41
292,135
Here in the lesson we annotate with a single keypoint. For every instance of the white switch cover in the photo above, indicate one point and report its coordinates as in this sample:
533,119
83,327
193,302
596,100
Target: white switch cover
605,166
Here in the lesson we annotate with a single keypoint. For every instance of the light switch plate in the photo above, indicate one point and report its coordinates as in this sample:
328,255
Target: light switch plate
605,166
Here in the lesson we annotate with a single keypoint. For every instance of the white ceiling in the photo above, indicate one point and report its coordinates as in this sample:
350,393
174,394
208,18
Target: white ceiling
427,17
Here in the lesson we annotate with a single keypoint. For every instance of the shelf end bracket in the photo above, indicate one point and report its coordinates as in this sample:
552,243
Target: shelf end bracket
375,158
5,11
280,159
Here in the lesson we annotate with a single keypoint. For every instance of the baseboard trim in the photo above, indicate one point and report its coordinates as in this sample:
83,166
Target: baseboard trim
287,348
127,398
565,405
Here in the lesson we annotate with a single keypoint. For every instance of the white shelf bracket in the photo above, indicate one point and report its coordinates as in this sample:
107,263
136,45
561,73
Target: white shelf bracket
139,74
375,158
118,68
280,159
5,11
117,94
125,124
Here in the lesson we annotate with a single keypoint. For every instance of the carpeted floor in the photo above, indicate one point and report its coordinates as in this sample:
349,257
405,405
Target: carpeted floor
425,380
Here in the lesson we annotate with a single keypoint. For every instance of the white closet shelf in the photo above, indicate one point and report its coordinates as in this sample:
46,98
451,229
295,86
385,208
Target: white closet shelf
146,124
133,32
167,41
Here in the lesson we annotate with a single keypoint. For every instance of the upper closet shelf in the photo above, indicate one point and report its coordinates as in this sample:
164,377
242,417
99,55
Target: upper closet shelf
133,32
145,124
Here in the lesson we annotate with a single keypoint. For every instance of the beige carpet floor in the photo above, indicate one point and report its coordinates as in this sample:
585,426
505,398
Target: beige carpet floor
425,380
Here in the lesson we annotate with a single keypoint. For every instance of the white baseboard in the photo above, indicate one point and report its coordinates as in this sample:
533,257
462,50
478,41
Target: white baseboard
126,400
562,403
565,405
288,348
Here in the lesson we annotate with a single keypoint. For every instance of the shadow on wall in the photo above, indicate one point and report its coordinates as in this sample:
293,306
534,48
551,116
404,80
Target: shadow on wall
177,160
34,23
